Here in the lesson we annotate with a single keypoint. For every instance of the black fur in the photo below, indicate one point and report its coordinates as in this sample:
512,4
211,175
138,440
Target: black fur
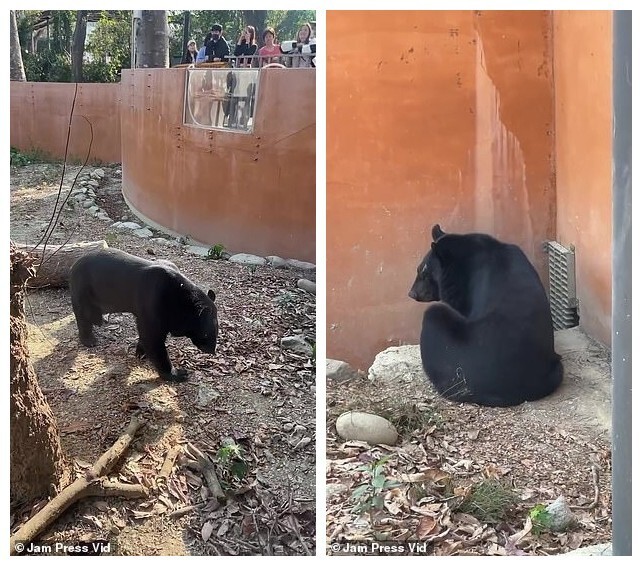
161,298
489,339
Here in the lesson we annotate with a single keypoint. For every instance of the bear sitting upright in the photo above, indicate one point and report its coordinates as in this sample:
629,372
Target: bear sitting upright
490,339
161,298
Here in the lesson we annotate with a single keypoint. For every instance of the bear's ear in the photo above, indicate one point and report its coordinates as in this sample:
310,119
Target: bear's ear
212,295
435,250
437,232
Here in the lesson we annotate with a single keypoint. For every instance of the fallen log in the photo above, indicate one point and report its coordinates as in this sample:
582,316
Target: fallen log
90,484
53,271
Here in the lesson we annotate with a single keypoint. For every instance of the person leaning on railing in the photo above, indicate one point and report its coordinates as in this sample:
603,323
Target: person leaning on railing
217,48
246,45
304,44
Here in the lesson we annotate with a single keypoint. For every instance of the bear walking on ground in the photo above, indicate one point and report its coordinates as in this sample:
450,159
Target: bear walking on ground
490,338
161,298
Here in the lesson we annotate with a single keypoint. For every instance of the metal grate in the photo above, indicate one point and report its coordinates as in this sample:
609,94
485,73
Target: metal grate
562,293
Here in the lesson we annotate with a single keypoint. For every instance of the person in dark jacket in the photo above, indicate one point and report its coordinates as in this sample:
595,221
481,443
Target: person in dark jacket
246,45
217,48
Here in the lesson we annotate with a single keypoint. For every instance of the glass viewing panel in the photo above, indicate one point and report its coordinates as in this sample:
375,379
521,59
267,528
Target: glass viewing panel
221,98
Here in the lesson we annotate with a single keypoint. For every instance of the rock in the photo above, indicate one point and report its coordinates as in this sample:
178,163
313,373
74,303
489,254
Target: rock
603,549
93,209
366,427
332,489
91,193
247,259
276,261
93,184
206,395
124,218
297,344
118,172
296,264
306,285
143,233
129,226
198,250
77,192
88,203
398,364
165,242
339,371
288,427
116,225
103,216
98,174
560,515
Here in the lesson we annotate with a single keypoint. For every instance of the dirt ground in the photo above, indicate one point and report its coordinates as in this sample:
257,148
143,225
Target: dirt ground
558,446
252,393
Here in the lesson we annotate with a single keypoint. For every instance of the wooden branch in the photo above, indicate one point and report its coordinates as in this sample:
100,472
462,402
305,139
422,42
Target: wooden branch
168,464
184,510
54,270
80,488
205,467
107,488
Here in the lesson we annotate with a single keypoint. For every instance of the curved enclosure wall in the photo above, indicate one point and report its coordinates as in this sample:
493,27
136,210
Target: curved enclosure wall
40,120
252,192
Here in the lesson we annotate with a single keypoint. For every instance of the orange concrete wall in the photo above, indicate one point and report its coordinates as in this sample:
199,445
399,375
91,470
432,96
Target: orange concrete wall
250,192
39,119
583,112
447,117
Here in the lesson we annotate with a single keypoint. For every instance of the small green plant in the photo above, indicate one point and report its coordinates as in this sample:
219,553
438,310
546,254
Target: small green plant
369,496
411,417
286,301
21,158
231,456
216,251
111,238
488,501
540,518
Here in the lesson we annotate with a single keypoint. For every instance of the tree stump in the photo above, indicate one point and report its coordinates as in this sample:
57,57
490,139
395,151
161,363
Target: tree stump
53,271
38,467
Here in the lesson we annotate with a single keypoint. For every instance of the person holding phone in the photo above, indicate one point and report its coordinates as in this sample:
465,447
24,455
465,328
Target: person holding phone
246,45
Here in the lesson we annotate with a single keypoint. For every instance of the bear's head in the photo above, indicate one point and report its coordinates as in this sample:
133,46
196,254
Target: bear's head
205,332
426,286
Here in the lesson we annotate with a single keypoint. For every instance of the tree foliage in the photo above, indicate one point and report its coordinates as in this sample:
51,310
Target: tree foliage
108,47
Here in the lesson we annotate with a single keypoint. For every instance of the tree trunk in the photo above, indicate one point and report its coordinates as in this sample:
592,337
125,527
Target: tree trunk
54,271
38,468
257,19
15,53
78,46
152,40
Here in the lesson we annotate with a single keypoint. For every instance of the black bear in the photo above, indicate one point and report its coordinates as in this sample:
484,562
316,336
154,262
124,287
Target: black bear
490,338
161,298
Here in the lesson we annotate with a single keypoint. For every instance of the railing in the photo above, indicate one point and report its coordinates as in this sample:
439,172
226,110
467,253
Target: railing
288,60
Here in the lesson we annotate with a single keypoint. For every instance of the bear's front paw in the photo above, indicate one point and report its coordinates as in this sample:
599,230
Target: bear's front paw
89,341
176,375
140,351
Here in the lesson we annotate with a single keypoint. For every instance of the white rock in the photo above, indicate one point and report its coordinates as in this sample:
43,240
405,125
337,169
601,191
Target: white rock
143,233
98,173
165,242
297,264
339,371
88,203
309,286
276,261
198,250
129,226
373,429
93,184
398,364
247,259
116,225
560,514
103,216
93,209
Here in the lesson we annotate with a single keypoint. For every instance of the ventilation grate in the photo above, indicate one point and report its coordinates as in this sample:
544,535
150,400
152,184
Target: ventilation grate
561,278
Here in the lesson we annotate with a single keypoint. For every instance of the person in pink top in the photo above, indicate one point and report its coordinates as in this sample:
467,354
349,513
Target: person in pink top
271,50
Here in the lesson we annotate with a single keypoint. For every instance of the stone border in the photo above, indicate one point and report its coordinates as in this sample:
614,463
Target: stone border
84,196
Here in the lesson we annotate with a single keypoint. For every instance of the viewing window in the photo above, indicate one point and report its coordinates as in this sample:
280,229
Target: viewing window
221,98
